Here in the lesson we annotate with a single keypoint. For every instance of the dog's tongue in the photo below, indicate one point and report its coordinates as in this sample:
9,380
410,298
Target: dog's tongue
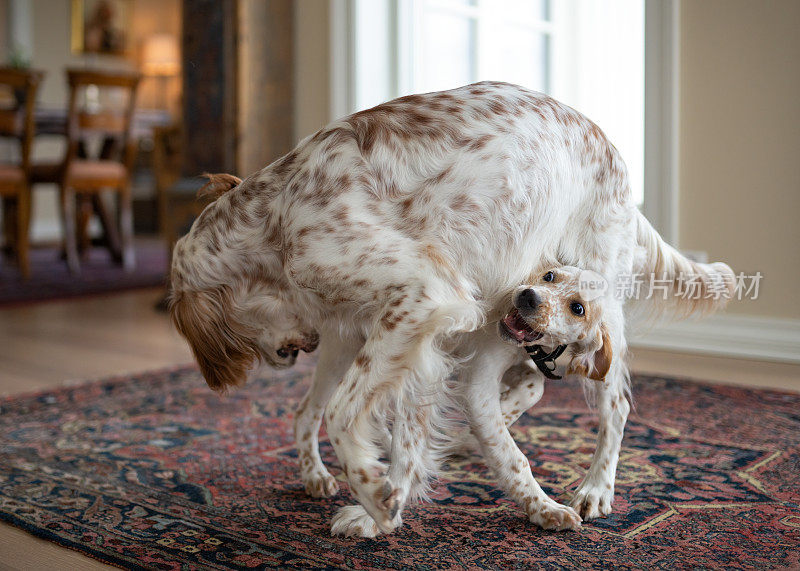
517,326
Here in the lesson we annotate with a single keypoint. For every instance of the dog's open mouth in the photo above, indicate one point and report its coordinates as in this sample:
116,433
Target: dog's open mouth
518,328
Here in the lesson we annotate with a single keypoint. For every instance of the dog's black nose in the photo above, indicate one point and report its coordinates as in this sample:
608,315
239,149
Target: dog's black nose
527,299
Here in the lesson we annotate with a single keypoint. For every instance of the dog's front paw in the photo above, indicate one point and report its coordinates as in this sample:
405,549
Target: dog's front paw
380,499
593,501
354,521
552,515
320,484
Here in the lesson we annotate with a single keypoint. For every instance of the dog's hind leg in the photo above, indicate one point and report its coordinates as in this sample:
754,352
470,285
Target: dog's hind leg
336,355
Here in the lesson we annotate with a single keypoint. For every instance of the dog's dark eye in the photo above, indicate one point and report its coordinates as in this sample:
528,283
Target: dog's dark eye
282,353
548,277
576,308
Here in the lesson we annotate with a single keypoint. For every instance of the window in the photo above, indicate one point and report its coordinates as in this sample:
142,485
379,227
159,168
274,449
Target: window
589,54
453,43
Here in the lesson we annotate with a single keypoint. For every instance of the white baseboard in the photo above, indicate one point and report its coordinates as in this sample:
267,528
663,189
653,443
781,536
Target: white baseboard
769,339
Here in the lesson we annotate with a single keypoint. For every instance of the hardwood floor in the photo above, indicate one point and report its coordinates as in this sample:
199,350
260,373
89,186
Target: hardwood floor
49,344
43,345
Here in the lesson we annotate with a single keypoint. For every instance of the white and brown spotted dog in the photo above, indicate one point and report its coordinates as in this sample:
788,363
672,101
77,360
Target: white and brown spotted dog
550,312
391,236
553,311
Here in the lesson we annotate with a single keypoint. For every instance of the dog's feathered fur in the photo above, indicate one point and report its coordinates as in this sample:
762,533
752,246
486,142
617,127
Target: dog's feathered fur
396,234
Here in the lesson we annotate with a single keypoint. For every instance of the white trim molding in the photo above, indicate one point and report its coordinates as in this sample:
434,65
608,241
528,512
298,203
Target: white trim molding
762,338
662,116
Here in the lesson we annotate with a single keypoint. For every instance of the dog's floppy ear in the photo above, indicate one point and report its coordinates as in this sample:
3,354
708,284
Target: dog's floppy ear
223,348
596,362
217,185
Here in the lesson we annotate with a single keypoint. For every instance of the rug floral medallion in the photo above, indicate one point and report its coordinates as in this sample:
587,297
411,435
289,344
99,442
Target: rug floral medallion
156,471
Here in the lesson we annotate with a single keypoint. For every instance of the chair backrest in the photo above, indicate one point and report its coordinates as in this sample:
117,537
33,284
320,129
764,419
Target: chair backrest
16,119
110,121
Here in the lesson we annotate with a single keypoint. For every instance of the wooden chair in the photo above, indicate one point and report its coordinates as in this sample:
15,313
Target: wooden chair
16,122
84,179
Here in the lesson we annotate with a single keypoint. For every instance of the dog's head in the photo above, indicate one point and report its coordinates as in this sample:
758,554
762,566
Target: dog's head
234,310
552,312
229,330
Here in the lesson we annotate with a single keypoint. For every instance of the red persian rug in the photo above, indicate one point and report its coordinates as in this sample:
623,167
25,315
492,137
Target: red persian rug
156,471
51,280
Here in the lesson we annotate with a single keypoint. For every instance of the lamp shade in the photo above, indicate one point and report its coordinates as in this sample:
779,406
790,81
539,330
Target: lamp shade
160,55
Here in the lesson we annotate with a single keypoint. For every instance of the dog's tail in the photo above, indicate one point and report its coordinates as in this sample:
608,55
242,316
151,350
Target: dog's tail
667,284
217,185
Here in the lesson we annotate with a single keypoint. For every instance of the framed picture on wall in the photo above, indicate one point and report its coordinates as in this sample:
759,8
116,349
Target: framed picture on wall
101,26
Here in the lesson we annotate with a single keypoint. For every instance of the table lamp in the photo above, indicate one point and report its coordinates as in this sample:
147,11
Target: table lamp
160,59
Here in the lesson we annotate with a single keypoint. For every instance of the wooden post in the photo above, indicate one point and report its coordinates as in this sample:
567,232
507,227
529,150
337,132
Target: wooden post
238,81
210,69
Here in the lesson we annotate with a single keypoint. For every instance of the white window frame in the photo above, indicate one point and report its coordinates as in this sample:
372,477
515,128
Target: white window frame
661,153
662,117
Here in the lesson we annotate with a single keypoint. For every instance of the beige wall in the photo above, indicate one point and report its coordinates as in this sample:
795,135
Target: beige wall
265,79
312,66
740,142
51,45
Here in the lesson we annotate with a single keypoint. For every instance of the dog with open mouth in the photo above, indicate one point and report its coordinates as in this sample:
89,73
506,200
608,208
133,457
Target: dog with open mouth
560,309
554,313
549,316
